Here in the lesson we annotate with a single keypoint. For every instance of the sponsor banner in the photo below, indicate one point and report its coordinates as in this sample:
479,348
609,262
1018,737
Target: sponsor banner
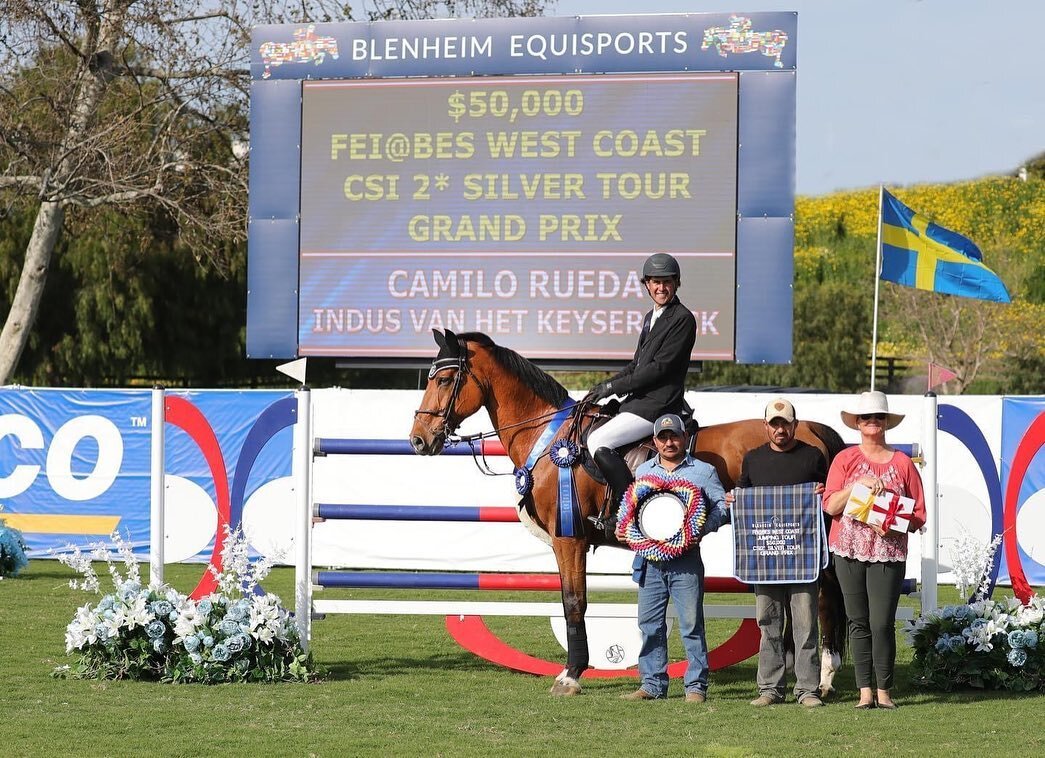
1023,485
545,45
75,465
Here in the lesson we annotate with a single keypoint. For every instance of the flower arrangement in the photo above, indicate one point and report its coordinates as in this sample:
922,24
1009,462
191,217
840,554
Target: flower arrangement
12,550
988,644
155,632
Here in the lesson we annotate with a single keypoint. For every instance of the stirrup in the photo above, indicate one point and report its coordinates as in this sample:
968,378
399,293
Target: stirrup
608,526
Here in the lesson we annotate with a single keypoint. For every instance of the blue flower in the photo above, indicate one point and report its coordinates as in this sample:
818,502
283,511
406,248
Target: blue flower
957,643
208,641
947,612
1017,657
196,658
155,629
192,644
977,623
943,644
1030,638
173,617
205,606
220,653
1016,638
238,643
162,608
229,627
106,603
962,612
160,646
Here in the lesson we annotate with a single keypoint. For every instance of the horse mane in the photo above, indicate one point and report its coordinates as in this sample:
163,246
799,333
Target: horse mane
542,383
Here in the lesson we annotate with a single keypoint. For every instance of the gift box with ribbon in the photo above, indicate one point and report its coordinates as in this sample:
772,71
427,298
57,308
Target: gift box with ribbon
888,511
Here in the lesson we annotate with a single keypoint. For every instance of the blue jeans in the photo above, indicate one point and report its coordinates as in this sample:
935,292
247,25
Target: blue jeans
681,580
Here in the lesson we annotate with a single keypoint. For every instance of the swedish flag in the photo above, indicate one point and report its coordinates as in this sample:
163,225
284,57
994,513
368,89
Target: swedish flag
918,253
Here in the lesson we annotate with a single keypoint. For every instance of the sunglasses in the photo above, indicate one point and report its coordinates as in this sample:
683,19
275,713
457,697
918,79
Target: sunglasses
875,416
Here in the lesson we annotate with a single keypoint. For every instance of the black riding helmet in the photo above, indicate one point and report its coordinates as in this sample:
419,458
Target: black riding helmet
661,264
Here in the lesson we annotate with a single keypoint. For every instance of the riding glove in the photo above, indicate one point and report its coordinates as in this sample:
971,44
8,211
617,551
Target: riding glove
601,391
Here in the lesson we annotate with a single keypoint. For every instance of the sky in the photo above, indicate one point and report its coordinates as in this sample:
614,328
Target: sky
901,92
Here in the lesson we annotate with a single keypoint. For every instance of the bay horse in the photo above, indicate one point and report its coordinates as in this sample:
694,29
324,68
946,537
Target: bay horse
472,372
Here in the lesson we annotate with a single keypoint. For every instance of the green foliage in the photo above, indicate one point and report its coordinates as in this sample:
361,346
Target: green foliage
831,340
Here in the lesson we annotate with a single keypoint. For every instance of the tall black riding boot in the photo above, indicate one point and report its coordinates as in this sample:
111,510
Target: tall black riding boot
618,479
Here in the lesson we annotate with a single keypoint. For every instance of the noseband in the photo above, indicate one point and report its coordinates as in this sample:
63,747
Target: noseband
443,364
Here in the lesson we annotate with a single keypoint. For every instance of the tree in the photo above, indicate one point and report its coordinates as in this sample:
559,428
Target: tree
136,105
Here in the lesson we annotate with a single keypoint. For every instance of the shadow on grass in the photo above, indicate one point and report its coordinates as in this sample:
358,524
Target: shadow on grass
394,666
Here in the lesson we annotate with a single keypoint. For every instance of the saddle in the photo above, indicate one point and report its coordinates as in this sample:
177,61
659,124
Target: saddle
634,453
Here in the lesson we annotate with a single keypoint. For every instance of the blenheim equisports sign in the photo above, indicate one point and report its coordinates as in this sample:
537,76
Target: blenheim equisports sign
509,176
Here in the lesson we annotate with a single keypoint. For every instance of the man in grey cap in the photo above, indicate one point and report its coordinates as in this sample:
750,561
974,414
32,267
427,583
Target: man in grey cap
680,579
653,382
781,461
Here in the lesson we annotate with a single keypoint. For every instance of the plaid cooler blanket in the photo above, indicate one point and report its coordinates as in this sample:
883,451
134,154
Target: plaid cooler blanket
778,535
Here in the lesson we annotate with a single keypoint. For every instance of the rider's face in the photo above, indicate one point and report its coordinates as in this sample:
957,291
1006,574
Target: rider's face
662,288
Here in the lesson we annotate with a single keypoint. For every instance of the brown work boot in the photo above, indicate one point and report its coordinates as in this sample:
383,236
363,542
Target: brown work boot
696,697
639,694
763,700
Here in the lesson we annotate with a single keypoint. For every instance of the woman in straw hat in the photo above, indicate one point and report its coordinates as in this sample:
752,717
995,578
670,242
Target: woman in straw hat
871,562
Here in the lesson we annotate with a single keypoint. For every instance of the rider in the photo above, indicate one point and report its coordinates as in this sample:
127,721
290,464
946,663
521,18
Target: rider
653,383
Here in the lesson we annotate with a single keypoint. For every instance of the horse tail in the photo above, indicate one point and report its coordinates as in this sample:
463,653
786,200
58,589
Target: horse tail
833,621
834,624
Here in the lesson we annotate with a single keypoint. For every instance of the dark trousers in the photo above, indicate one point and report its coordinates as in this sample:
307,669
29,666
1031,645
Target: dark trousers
871,592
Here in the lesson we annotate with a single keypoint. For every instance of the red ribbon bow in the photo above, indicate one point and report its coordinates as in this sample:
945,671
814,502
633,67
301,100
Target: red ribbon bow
892,513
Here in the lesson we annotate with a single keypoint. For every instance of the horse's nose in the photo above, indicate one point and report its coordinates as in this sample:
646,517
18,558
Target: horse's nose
418,444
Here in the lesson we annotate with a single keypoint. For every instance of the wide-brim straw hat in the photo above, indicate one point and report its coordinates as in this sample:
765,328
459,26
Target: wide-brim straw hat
871,402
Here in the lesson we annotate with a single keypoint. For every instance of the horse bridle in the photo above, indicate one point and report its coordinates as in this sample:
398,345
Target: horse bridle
442,364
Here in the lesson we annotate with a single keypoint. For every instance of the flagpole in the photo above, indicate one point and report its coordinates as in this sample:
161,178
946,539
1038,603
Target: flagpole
877,280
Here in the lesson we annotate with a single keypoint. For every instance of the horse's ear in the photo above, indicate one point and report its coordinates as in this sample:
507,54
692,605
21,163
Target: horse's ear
453,344
449,346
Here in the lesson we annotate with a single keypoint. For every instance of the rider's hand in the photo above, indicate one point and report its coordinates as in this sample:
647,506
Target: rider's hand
601,391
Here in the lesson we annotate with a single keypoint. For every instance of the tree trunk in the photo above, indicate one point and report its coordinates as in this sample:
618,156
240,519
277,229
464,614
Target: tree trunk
94,75
26,302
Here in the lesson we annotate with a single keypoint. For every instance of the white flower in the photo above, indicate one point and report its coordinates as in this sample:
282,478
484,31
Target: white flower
188,620
1029,615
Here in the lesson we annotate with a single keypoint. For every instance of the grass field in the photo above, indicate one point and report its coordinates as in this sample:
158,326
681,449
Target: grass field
401,686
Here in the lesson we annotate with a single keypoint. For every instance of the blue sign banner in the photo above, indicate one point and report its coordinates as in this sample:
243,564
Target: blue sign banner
75,465
479,47
1022,479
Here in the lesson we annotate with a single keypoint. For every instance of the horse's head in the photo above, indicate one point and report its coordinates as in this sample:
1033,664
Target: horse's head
451,396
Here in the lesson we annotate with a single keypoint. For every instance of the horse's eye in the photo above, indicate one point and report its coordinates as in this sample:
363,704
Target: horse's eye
443,381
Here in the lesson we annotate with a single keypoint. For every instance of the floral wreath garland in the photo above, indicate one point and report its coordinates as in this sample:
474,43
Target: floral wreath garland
640,491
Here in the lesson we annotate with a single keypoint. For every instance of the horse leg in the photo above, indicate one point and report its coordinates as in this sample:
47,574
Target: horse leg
571,556
833,629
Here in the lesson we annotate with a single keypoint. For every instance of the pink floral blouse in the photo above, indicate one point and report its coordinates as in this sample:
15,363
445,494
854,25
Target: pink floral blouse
853,539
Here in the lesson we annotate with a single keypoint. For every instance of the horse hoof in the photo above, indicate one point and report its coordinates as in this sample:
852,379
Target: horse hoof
826,692
563,688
